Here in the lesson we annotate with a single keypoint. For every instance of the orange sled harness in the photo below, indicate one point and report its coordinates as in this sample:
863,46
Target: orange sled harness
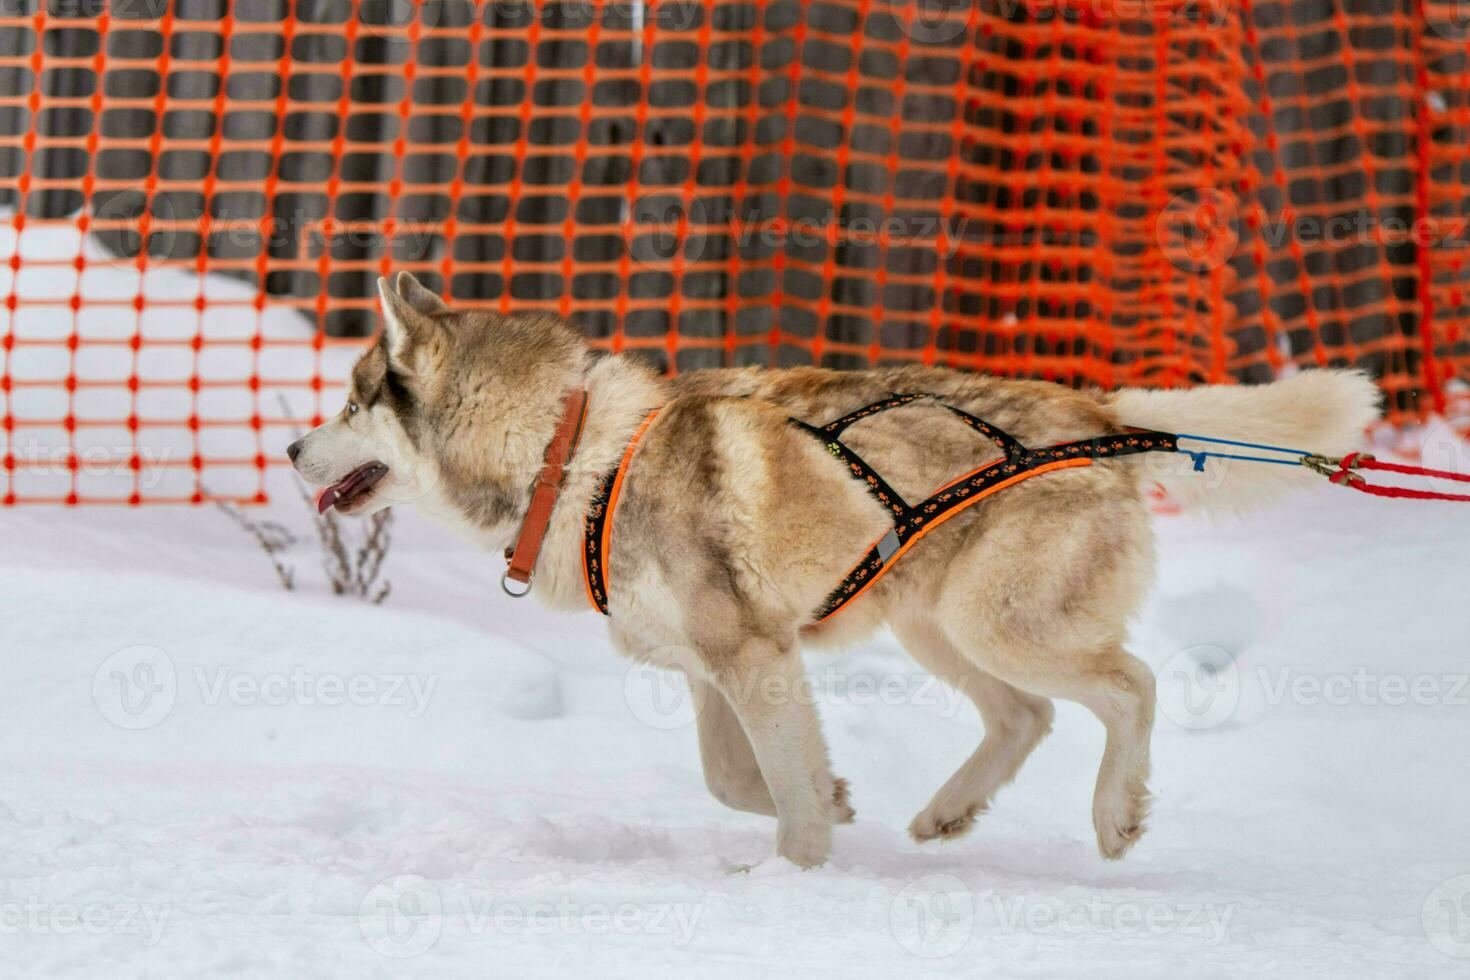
910,521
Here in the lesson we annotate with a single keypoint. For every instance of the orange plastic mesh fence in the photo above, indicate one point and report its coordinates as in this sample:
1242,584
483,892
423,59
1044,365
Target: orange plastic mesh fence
199,195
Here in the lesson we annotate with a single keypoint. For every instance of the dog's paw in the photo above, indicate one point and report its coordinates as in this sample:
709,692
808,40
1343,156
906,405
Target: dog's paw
842,811
805,846
934,824
1120,829
1115,842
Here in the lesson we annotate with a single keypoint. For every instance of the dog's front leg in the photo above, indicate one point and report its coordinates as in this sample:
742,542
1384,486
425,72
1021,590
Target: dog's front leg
768,691
730,768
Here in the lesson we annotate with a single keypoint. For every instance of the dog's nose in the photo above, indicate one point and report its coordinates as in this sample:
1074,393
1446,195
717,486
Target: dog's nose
294,450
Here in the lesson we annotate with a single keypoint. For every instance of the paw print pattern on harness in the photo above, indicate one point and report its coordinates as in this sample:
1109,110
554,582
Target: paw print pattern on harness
1017,463
910,523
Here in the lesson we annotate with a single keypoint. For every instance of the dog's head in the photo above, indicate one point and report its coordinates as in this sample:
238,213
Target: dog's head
449,409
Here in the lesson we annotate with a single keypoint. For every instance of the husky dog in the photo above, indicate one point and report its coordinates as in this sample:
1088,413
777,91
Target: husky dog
733,525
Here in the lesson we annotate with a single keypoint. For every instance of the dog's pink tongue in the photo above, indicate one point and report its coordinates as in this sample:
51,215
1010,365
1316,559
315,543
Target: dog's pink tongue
328,498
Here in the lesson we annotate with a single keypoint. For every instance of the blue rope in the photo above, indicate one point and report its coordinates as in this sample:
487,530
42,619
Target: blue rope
1199,456
1245,445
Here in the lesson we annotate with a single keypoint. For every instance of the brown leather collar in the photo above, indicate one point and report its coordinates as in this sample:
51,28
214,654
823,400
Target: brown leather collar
522,555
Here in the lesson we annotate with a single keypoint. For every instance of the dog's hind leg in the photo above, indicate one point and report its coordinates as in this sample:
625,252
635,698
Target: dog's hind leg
1040,597
1122,696
1015,723
766,688
1119,689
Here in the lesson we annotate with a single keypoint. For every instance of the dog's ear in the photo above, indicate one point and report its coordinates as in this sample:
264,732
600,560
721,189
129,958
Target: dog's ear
415,295
408,309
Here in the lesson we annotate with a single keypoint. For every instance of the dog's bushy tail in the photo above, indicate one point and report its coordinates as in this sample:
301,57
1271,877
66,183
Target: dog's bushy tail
1320,411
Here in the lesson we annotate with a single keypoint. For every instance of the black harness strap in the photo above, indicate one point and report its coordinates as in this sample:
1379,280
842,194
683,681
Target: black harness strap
910,522
1002,440
858,467
593,571
834,429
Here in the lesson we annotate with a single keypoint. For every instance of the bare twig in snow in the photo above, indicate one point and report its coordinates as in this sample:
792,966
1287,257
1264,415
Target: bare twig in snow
272,538
352,570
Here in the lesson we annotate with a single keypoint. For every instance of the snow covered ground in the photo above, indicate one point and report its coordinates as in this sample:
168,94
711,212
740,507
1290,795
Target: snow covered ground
203,774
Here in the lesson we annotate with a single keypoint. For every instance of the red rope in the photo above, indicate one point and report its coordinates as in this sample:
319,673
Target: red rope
1345,476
